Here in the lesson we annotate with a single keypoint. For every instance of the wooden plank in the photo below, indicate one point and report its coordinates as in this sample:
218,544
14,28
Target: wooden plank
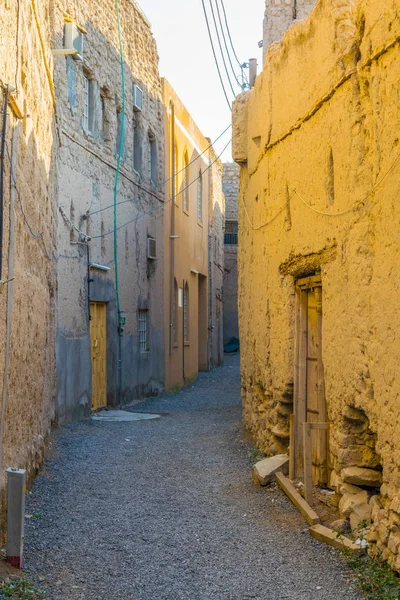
330,537
308,513
320,426
291,449
323,438
307,462
300,399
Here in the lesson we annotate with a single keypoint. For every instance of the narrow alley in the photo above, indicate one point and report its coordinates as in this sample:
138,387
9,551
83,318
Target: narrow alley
165,509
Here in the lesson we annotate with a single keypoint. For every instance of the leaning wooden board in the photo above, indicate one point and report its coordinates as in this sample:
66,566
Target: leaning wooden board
330,537
308,513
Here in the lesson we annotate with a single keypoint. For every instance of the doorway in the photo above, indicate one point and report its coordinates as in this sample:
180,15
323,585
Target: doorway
98,345
202,323
309,390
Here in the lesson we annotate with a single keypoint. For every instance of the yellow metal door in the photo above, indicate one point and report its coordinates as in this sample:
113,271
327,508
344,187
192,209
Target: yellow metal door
98,351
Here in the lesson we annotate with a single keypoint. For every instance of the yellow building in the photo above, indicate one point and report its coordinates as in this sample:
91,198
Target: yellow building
318,142
193,325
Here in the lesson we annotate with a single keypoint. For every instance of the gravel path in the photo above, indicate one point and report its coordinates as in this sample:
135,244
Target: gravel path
165,510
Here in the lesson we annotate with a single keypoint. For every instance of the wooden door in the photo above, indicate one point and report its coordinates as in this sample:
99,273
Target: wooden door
309,396
98,341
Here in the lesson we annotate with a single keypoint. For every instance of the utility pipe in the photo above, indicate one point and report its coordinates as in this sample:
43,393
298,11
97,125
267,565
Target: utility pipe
2,156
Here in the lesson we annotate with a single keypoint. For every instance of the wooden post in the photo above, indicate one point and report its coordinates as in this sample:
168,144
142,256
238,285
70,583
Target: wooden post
291,449
307,463
15,516
323,435
300,399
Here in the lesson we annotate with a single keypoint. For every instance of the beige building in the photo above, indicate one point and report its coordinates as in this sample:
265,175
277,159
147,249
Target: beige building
193,247
230,186
91,108
27,301
317,140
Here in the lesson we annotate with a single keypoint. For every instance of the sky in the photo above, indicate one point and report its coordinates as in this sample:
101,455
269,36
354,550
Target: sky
186,58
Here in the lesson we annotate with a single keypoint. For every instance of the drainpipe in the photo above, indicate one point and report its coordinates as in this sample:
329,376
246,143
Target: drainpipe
210,269
172,235
183,331
3,149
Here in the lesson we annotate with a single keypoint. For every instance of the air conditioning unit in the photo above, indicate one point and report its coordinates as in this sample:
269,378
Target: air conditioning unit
151,248
73,41
137,98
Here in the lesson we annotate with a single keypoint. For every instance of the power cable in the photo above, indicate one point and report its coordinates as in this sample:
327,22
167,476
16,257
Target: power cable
226,46
215,56
220,47
232,46
94,237
160,185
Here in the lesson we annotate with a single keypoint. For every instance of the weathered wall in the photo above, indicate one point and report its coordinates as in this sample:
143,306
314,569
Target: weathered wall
216,262
86,174
191,258
230,185
280,15
318,141
27,398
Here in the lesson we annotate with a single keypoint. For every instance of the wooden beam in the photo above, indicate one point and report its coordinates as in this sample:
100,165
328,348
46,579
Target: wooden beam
330,537
308,513
307,462
320,426
291,449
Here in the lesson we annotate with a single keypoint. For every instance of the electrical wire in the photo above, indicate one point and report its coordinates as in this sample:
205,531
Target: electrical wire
160,185
215,56
232,46
226,46
220,47
157,208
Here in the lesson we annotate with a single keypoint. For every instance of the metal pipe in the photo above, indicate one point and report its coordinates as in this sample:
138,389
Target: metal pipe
183,330
172,236
2,156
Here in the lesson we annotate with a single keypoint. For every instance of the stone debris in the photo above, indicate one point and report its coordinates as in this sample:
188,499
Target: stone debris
342,526
364,477
264,471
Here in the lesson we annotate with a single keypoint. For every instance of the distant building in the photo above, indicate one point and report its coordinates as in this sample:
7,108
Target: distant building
280,15
90,117
193,241
230,186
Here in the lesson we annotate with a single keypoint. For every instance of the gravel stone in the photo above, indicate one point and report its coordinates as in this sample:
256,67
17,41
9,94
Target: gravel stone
166,510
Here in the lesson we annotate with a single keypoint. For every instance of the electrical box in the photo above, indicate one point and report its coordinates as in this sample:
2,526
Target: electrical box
151,248
73,40
137,98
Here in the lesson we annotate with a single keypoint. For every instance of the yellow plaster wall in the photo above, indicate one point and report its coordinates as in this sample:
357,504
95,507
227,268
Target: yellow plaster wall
322,127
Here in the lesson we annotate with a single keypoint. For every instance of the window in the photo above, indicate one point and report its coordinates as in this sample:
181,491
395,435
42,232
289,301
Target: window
137,149
71,81
231,233
86,103
152,159
186,313
121,135
200,197
185,182
175,171
143,330
174,313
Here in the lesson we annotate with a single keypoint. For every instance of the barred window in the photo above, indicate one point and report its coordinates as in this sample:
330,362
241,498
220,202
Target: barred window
143,330
231,233
86,103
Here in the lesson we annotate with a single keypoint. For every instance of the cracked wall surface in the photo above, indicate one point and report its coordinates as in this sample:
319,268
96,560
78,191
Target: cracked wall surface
318,142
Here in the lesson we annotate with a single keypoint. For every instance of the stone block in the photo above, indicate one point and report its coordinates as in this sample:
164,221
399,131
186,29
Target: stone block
360,476
342,526
361,515
239,128
347,488
264,471
394,542
349,502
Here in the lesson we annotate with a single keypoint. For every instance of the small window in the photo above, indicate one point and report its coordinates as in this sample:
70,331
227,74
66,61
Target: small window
143,330
231,233
185,182
200,197
153,176
186,313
